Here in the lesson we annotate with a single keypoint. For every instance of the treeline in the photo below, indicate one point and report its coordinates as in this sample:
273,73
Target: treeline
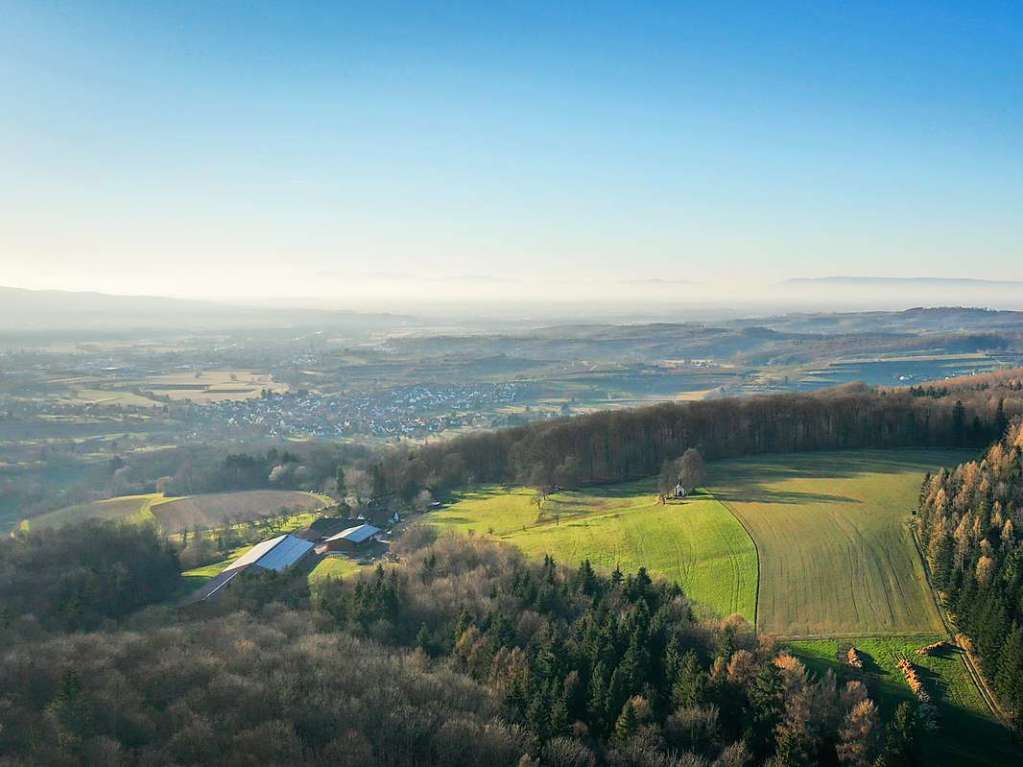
466,654
183,470
187,471
613,446
971,523
76,577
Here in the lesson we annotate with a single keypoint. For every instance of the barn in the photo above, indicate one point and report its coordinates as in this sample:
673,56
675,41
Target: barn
276,554
353,539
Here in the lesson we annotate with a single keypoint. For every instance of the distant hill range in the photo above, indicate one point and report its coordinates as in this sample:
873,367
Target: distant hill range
902,282
892,293
943,319
50,310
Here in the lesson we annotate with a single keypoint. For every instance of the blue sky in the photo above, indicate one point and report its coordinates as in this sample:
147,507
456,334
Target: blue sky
488,149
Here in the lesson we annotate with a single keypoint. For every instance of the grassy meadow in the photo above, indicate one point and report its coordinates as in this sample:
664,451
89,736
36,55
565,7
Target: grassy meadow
836,556
697,543
337,567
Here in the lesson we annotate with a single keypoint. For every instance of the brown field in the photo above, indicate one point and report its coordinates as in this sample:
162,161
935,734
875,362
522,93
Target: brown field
206,512
211,385
200,387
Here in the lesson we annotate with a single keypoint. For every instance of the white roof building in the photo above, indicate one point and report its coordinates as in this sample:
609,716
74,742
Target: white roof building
277,554
356,535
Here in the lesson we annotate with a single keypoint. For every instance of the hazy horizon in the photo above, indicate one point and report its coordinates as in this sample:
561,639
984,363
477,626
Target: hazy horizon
393,154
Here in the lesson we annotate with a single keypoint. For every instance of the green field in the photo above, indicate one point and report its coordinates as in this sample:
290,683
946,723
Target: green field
124,508
337,567
967,735
204,512
697,543
836,556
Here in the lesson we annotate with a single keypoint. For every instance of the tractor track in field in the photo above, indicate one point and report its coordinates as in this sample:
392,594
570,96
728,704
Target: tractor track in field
756,550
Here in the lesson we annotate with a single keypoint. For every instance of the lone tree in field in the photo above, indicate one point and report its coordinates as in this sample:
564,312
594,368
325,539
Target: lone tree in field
691,472
686,471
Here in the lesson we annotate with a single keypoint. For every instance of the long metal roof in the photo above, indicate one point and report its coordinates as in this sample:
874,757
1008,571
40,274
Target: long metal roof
275,554
357,534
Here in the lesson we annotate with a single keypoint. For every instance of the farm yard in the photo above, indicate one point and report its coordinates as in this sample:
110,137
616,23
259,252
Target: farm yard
173,515
836,557
699,543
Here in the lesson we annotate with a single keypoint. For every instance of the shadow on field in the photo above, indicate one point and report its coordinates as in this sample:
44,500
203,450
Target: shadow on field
869,664
964,736
745,479
763,495
841,464
449,520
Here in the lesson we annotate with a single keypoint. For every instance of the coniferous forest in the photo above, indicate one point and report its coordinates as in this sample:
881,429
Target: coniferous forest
971,522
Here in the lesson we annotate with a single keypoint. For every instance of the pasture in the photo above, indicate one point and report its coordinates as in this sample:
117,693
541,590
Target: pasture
836,556
697,543
966,735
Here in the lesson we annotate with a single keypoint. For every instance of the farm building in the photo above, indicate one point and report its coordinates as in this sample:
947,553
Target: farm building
276,554
353,539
